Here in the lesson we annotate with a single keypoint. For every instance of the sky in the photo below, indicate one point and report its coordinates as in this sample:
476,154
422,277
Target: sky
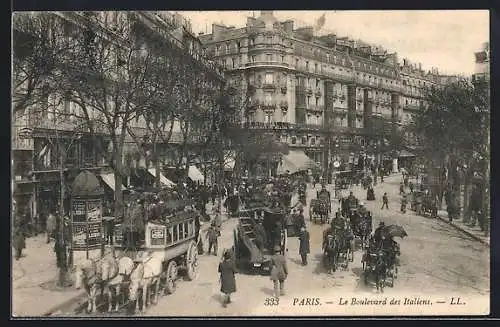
446,39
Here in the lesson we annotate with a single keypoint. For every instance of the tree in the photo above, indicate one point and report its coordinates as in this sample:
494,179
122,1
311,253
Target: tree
111,76
38,46
454,128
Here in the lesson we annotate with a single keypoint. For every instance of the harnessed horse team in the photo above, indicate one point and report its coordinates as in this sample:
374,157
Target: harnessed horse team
110,276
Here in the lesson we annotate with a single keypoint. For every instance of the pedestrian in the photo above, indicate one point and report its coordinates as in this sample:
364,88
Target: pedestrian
304,247
19,243
212,237
411,187
50,226
385,201
279,272
227,271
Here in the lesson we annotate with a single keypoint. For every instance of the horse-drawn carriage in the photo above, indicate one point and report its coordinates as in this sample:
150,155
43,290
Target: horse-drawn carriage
147,261
337,250
348,206
380,260
424,203
255,239
362,227
320,207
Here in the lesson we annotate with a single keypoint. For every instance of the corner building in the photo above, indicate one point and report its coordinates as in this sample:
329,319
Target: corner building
328,96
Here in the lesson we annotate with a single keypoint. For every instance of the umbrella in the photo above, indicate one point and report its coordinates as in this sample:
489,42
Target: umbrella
394,231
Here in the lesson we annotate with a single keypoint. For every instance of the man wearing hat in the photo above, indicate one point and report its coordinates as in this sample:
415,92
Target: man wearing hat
212,236
279,272
227,270
377,235
304,247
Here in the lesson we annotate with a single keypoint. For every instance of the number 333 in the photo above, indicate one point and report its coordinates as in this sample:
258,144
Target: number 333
271,301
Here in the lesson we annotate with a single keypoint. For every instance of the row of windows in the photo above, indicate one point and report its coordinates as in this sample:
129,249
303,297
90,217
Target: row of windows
334,59
181,231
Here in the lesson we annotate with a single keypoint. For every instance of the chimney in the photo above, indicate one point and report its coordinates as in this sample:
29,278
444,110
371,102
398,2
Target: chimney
420,66
250,21
266,12
288,26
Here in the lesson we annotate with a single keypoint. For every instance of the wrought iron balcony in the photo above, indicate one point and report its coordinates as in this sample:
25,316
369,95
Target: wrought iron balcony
276,64
269,86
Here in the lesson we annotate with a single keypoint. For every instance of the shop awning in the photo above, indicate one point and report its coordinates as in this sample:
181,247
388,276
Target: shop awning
165,181
109,179
296,161
195,174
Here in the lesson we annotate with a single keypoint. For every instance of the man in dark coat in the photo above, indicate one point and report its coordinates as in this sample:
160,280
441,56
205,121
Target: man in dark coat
304,247
227,270
18,243
279,272
377,235
133,225
260,236
385,201
212,237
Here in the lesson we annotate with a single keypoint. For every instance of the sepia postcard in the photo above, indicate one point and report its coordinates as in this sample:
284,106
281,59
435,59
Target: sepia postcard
250,163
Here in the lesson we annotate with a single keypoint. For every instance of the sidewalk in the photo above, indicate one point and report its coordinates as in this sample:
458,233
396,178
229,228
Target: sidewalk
34,275
474,232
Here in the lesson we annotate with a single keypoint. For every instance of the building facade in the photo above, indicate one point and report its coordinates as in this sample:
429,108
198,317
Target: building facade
328,96
41,132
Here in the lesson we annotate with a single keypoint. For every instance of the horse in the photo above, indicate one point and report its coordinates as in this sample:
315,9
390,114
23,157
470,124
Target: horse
125,267
362,229
378,268
143,277
88,275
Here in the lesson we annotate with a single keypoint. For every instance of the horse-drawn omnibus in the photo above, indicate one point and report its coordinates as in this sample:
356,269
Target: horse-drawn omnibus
146,260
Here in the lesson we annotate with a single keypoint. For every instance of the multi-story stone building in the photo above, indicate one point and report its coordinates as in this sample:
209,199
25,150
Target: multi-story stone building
328,96
38,131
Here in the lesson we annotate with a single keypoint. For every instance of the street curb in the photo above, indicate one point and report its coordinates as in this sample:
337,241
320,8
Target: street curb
476,238
70,302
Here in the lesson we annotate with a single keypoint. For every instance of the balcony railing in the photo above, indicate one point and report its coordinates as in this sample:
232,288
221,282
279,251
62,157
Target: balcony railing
411,107
266,64
21,139
269,86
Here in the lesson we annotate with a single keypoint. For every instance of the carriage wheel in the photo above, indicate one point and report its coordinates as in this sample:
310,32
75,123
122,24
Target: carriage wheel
192,262
170,283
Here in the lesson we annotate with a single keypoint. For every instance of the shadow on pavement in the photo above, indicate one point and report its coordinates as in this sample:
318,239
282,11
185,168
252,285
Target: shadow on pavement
296,261
320,268
267,291
218,297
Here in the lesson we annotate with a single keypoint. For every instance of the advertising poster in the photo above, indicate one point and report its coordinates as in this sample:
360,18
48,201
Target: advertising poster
79,236
78,211
94,212
94,235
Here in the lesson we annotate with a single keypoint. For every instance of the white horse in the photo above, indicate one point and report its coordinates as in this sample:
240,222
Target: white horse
114,285
143,277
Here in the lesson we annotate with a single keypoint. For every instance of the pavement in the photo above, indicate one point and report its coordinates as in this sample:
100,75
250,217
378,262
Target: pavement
34,276
435,259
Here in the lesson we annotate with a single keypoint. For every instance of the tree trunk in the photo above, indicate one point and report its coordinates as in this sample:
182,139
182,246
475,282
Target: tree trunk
118,151
62,279
156,162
